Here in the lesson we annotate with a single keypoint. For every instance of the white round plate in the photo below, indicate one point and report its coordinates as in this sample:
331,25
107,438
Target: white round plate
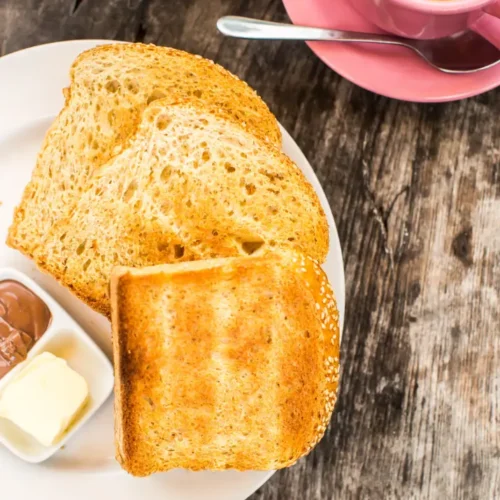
30,97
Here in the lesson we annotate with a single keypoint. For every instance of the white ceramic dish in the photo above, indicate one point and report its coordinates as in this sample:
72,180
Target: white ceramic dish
30,98
66,339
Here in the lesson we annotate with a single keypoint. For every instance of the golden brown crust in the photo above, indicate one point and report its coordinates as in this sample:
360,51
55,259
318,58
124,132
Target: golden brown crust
180,200
263,123
103,107
223,364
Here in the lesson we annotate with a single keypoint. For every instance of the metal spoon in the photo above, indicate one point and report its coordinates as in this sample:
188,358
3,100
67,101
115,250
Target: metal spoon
466,52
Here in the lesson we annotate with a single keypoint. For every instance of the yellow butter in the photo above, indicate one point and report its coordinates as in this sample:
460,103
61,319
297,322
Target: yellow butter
44,398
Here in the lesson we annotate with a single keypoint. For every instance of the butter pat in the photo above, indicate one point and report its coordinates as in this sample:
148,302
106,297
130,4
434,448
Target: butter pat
45,398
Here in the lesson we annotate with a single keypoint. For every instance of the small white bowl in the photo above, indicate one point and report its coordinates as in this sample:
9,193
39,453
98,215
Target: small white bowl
66,339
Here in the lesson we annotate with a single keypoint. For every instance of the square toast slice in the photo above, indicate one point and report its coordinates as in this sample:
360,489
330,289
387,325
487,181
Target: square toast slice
224,363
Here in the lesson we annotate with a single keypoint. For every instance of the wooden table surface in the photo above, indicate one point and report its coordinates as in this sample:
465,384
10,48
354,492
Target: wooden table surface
415,191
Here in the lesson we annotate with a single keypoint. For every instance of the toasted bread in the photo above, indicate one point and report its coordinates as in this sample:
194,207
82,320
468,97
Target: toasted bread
110,87
193,184
223,364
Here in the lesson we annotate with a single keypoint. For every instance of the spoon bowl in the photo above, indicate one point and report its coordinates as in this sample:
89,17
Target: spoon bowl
465,52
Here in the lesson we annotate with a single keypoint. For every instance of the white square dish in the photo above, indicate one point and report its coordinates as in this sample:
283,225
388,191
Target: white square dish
65,339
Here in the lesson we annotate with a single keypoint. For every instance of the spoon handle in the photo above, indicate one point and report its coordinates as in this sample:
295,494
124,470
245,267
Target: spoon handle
255,29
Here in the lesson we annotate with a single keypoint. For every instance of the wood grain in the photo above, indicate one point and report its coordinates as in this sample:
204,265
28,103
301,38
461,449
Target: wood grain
415,190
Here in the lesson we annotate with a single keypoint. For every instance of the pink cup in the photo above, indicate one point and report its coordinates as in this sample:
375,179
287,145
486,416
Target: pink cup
425,19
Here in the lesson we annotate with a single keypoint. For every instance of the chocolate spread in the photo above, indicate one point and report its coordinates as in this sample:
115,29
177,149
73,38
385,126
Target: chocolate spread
24,318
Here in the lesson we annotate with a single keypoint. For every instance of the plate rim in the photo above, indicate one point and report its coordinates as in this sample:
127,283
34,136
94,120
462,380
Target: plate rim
315,47
334,246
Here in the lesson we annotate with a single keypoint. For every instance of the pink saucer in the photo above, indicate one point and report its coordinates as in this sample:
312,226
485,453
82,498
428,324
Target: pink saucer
390,71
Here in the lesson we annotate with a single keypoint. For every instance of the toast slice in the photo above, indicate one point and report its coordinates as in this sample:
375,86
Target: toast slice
193,184
110,87
223,364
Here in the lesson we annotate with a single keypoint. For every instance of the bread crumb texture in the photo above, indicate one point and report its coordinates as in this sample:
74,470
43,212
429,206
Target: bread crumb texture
110,88
160,156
